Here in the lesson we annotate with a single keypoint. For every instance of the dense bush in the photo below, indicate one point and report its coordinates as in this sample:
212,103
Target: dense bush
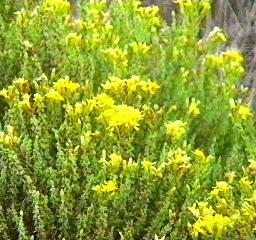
121,127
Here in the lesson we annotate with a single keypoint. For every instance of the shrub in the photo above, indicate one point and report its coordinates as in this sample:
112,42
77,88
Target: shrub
121,127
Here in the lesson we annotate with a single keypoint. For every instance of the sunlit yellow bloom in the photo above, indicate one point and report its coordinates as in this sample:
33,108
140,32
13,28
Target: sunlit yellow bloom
233,55
20,82
4,93
74,39
217,35
140,48
149,166
248,210
221,187
179,160
245,183
25,102
211,225
176,129
62,5
116,53
115,160
9,138
244,112
54,95
129,86
150,11
216,60
38,100
200,154
103,101
194,109
107,187
122,115
64,85
10,95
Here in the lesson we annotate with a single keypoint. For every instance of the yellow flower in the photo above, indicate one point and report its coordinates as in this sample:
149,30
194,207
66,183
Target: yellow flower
233,56
149,166
38,100
64,85
149,12
8,138
115,160
4,93
74,39
244,112
25,102
103,101
122,115
245,183
209,223
193,108
107,187
179,160
217,35
20,82
54,95
176,129
200,154
116,53
140,48
221,186
61,5
127,87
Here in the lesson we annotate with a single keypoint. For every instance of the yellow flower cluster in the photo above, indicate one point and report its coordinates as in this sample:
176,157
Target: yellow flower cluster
38,100
25,102
179,160
107,187
230,59
240,111
122,116
73,39
221,187
8,138
176,129
102,102
127,87
199,154
51,5
117,55
194,108
209,223
205,4
54,95
151,168
150,13
140,48
217,35
65,86
116,163
244,112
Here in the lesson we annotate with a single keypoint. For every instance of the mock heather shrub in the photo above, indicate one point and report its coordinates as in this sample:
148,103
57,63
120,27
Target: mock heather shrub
119,126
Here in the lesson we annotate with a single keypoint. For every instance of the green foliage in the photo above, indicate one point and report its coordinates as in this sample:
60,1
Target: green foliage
117,126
